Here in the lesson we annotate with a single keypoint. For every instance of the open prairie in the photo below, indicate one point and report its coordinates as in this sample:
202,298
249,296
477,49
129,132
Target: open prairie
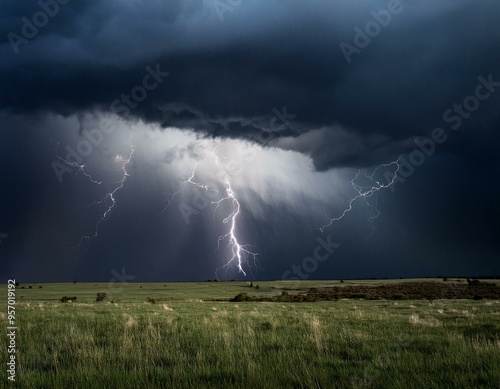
156,335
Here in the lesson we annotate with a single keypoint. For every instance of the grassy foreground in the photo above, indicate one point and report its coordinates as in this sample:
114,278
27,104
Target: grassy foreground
183,340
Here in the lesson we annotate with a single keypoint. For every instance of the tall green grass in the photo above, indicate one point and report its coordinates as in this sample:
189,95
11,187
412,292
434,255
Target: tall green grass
194,343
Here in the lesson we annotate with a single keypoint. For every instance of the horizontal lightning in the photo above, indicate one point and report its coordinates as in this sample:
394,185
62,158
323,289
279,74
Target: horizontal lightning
367,192
73,164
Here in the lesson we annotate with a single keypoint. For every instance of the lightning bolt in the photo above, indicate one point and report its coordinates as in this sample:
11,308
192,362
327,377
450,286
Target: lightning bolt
366,192
189,180
111,196
72,164
240,252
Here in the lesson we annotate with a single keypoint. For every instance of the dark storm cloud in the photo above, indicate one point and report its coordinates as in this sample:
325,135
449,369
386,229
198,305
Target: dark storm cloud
226,76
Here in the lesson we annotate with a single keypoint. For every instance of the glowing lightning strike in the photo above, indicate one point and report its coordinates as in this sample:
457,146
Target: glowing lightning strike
73,164
367,192
111,195
238,251
81,167
189,180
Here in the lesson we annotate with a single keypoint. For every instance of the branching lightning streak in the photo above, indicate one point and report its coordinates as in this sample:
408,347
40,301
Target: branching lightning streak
73,164
367,192
189,180
111,195
238,250
81,167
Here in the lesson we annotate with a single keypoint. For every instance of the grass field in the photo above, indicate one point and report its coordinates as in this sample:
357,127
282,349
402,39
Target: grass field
186,339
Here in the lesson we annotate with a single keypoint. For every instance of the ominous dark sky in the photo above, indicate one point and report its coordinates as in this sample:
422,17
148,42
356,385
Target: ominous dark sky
278,103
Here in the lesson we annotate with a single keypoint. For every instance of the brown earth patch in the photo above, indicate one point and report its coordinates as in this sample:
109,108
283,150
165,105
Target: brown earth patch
397,291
